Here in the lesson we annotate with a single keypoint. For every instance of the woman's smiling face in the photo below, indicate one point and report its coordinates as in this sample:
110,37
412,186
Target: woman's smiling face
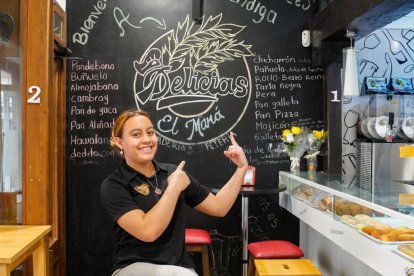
139,141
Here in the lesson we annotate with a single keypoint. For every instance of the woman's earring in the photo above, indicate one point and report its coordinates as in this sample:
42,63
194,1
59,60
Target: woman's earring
121,152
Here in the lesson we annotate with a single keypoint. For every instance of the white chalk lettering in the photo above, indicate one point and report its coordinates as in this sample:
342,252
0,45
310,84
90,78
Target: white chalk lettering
198,125
268,59
258,8
89,23
91,65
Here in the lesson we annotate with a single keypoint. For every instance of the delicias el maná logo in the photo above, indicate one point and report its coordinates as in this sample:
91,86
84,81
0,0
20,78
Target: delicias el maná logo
194,81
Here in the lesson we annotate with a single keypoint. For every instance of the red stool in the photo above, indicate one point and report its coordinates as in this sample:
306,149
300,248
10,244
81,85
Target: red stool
274,249
198,240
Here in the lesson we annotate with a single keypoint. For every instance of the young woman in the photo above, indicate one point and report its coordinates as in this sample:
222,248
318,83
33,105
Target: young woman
145,200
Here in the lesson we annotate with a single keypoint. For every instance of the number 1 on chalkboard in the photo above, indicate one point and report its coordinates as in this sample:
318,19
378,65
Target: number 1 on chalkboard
335,98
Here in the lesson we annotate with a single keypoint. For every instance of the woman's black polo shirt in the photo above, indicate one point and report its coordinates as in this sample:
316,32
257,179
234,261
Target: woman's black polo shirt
126,190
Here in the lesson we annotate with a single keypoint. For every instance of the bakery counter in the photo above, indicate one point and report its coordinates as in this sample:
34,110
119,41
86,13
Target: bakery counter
367,226
380,203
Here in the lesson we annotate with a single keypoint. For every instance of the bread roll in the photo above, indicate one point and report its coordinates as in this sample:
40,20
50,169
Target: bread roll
303,192
379,224
388,237
367,229
355,210
405,229
402,228
363,218
342,209
309,191
385,230
349,220
376,233
338,209
396,232
406,237
326,203
359,226
300,195
407,249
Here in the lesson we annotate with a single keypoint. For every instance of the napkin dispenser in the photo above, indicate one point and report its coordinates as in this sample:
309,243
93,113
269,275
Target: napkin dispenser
250,176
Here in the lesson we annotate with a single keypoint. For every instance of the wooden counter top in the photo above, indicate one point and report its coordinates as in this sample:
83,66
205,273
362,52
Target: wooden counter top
17,242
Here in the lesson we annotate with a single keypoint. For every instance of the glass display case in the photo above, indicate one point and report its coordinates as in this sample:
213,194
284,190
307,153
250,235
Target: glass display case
377,228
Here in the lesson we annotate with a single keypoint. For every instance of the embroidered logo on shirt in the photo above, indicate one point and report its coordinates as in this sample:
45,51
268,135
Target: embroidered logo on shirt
142,188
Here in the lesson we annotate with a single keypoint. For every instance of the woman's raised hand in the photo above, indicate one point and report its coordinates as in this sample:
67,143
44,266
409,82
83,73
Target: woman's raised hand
179,178
236,154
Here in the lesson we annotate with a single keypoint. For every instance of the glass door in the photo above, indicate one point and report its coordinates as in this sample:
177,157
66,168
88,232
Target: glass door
10,112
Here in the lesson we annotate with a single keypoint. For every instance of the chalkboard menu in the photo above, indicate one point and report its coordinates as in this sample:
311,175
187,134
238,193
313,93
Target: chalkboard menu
240,68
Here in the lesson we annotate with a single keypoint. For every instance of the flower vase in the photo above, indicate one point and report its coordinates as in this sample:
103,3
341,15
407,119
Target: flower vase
312,161
312,164
294,165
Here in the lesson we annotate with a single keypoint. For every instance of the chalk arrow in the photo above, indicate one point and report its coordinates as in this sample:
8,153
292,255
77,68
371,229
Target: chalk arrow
161,24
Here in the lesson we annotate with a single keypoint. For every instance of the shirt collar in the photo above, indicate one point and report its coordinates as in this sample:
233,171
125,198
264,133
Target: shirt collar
129,173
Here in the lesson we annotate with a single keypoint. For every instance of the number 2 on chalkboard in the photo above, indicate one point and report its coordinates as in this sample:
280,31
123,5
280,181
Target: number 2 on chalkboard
335,94
35,98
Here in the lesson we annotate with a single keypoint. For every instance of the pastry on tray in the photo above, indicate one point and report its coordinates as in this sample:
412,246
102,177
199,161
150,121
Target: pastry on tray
407,249
303,192
387,233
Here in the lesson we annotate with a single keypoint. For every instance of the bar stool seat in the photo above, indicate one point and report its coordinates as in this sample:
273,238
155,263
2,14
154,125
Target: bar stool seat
286,267
198,240
273,249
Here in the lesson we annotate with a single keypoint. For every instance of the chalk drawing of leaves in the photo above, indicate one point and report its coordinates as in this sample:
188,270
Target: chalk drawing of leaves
204,47
207,58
